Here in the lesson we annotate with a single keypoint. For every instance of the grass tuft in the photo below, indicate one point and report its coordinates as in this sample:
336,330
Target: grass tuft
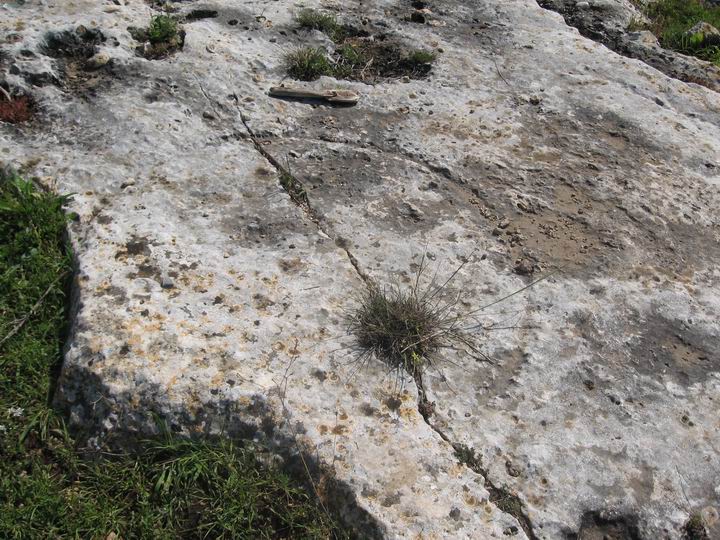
670,21
420,57
316,20
172,488
695,528
405,326
307,64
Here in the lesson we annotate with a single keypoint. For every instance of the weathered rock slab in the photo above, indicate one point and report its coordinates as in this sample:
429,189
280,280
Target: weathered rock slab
206,297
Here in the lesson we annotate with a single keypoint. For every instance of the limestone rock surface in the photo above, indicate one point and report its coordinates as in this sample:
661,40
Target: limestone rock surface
534,157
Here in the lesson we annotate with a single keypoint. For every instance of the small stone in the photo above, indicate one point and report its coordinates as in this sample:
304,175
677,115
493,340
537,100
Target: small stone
703,29
166,282
208,115
511,469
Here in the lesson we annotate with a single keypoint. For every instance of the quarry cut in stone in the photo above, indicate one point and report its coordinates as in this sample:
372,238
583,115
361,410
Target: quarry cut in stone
207,296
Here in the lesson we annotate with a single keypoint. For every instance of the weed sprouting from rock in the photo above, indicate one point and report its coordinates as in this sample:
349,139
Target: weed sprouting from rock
307,64
162,29
162,37
357,56
405,326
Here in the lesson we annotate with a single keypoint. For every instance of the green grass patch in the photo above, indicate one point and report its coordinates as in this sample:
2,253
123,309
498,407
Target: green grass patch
670,21
420,57
307,64
317,20
171,488
358,60
356,57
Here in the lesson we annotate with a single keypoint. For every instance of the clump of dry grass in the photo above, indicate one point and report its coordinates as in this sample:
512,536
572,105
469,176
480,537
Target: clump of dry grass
405,326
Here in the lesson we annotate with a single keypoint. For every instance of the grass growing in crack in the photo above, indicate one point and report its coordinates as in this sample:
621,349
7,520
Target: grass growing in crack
670,21
358,60
170,489
293,188
695,528
406,326
307,64
162,29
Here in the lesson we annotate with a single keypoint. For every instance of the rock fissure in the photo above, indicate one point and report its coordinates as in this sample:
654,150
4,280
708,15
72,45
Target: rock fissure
297,193
500,497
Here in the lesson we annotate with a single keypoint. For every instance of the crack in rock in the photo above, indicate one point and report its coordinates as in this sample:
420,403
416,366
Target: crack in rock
500,497
297,193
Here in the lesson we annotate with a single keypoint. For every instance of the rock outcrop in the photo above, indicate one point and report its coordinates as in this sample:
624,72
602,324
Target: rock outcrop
223,235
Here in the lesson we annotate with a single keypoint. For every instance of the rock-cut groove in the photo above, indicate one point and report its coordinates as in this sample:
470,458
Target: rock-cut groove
500,497
297,193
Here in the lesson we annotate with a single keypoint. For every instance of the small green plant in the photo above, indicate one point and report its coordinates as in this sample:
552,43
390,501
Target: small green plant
348,60
420,57
636,24
293,187
307,64
405,326
162,29
316,20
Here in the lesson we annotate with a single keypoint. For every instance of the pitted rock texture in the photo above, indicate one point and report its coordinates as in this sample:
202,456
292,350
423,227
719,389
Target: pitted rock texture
207,297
